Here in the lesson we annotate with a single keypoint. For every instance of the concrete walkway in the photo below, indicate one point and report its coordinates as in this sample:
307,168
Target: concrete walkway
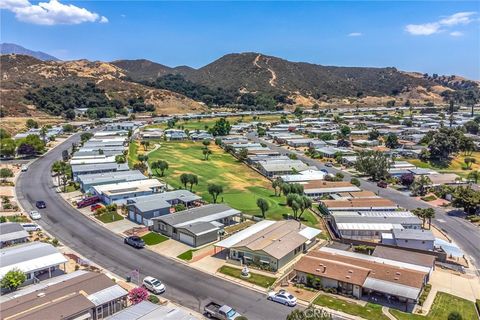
387,313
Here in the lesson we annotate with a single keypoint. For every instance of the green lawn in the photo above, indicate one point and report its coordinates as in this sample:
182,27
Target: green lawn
153,238
109,217
442,306
132,154
455,165
17,218
187,255
370,311
255,278
242,186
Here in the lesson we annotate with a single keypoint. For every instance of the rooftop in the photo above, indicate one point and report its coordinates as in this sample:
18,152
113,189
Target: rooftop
207,213
413,234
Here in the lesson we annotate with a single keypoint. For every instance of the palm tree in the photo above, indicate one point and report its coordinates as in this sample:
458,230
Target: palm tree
420,185
262,204
429,214
419,212
474,176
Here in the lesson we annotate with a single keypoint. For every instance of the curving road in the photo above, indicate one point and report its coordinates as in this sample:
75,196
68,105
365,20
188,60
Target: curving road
186,286
462,232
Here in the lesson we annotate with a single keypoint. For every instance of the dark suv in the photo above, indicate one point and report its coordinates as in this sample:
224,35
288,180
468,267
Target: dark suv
134,241
41,204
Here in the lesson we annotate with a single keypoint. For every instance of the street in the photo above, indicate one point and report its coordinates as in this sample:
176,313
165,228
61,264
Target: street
462,232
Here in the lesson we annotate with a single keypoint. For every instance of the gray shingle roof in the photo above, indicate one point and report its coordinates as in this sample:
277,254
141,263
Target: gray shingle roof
159,200
207,213
12,231
413,234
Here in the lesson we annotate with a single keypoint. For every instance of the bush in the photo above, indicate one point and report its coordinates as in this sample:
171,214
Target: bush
364,249
13,279
153,299
429,198
355,182
454,315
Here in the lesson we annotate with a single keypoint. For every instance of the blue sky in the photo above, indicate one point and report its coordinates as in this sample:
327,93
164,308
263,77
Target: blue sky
427,36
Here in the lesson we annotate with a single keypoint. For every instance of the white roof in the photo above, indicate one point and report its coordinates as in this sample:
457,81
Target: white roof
392,288
368,226
309,233
128,186
110,159
107,294
376,259
245,233
30,257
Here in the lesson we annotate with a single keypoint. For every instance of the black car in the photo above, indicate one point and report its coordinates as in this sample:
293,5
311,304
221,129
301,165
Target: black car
41,204
134,241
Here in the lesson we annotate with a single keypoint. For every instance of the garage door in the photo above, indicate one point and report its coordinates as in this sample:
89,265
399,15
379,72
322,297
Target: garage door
131,215
188,239
139,218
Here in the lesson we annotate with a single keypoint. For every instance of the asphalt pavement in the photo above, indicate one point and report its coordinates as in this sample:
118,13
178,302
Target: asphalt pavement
462,232
185,285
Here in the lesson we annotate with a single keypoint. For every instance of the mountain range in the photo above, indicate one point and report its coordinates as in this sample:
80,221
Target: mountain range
237,78
11,48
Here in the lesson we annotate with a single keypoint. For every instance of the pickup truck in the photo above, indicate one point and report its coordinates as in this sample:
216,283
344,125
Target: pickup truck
217,311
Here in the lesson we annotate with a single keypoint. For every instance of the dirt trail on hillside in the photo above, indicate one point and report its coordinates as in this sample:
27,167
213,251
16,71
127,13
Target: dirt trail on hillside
273,78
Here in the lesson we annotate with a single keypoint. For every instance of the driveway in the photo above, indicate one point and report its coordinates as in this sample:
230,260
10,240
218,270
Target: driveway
170,248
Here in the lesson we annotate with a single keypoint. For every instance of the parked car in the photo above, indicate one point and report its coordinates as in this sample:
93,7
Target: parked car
35,215
31,227
88,202
94,207
282,297
324,171
134,241
382,184
217,311
24,167
40,204
154,285
328,164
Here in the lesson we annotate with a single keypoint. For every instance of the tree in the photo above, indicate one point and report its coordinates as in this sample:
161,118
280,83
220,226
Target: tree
407,179
471,127
68,128
420,213
344,131
161,165
310,313
137,295
7,147
305,203
206,142
373,135
466,198
85,136
391,141
474,176
43,133
243,154
466,145
215,190
355,182
221,127
145,144
206,153
429,214
30,145
469,162
143,158
184,179
420,185
262,204
293,201
140,166
445,141
6,173
373,163
31,124
120,158
277,184
4,134
192,180
13,279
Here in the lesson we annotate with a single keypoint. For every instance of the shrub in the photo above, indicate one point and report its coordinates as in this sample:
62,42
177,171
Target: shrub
137,295
13,279
153,299
355,182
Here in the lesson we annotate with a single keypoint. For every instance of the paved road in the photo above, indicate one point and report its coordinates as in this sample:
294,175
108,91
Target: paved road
462,232
185,285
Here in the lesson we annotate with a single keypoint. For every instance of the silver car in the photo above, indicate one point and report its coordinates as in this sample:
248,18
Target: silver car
35,215
282,297
154,285
31,227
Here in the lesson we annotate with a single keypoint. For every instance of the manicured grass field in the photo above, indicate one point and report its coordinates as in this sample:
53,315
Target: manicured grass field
109,217
187,255
153,238
132,153
242,186
455,166
205,124
255,278
443,305
370,311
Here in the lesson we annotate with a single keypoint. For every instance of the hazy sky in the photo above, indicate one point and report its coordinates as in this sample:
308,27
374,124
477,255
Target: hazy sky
427,36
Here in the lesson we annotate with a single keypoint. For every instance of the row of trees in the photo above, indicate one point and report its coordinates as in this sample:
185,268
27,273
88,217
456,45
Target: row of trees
63,172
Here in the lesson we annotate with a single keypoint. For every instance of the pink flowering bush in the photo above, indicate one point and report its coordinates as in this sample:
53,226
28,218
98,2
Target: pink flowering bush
137,295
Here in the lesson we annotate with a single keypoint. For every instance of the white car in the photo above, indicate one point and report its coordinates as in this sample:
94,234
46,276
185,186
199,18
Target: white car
31,227
24,168
153,285
35,215
282,297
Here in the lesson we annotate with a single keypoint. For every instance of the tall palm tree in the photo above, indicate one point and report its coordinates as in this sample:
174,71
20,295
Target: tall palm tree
429,214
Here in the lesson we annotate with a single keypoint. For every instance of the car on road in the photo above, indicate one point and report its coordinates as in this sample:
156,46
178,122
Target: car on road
134,241
217,311
31,227
40,204
24,168
282,297
154,285
324,171
382,184
35,215
328,164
